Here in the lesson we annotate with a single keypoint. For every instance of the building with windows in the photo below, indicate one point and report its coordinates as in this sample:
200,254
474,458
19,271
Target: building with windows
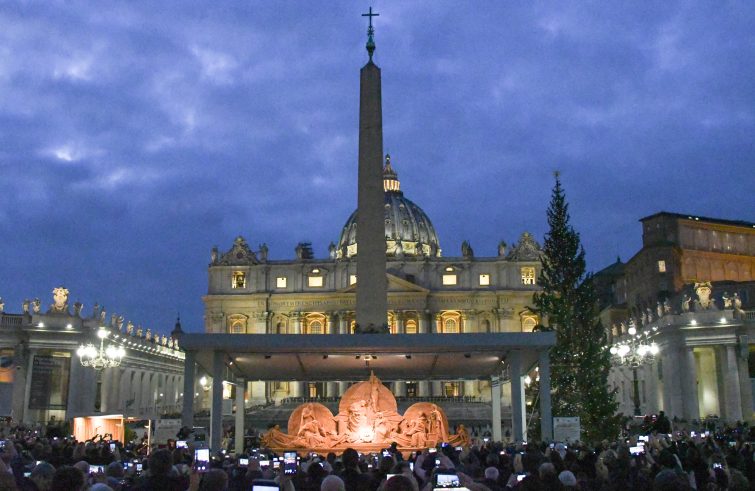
42,375
689,290
428,292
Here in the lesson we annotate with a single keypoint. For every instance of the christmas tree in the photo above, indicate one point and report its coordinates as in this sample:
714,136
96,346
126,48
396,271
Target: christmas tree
567,305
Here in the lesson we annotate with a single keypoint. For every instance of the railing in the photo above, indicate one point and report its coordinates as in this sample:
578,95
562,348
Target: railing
11,320
437,399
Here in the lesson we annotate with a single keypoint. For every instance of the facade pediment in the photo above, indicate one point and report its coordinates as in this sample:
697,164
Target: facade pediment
239,255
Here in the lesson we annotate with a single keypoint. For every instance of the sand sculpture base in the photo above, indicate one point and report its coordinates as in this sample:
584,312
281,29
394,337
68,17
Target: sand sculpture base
367,421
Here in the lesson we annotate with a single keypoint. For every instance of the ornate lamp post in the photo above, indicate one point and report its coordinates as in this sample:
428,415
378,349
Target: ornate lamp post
103,357
633,353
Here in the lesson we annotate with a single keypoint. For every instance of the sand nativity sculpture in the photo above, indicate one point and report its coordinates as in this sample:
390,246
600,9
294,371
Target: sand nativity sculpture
367,420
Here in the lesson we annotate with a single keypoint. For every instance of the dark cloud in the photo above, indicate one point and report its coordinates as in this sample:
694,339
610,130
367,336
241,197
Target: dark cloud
135,136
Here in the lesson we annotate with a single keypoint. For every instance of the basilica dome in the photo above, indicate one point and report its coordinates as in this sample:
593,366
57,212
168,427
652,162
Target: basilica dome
408,230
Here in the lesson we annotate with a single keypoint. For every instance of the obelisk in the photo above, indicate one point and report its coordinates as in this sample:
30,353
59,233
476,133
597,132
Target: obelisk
372,301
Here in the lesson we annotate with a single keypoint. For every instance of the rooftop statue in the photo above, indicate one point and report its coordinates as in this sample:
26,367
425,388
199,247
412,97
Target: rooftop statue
60,301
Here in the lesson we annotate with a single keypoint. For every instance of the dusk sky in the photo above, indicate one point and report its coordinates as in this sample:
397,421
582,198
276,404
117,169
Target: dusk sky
136,135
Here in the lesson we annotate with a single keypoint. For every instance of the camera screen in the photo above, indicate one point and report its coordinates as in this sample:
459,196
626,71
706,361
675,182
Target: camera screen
289,463
446,480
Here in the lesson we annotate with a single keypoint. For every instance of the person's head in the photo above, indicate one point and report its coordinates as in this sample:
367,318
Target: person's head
160,462
7,481
332,483
491,474
67,479
547,471
100,486
114,469
83,466
42,476
214,480
399,483
350,458
568,480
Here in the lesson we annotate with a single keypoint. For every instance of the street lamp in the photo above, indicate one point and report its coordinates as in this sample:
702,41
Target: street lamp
633,353
103,357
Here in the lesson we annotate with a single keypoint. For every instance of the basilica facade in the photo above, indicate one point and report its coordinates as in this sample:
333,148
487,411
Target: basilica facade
428,292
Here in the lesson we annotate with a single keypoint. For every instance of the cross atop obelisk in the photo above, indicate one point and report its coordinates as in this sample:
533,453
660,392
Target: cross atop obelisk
370,32
372,297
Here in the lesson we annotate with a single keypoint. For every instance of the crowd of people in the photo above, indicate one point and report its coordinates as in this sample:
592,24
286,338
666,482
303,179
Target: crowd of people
679,461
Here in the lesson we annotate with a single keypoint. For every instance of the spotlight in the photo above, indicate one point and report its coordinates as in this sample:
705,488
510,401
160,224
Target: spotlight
267,357
408,357
357,357
324,357
467,355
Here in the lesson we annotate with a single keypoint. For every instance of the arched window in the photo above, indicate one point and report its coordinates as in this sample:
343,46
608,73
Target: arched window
528,324
315,327
485,325
411,326
237,324
315,323
450,322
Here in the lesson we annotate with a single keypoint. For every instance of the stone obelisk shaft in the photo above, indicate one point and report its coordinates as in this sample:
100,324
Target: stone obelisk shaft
372,301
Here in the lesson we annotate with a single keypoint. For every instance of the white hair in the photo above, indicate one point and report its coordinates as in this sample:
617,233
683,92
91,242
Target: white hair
332,483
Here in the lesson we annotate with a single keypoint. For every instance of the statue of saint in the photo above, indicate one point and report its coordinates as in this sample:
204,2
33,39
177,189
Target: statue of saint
36,305
727,300
25,305
703,291
60,300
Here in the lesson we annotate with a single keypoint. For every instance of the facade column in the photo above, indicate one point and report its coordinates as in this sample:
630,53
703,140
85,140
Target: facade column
423,388
21,382
398,316
342,386
330,389
75,385
216,407
437,388
343,326
518,412
296,317
240,413
546,419
331,323
689,389
105,387
469,388
745,387
187,411
672,396
399,388
436,327
495,404
731,385
422,322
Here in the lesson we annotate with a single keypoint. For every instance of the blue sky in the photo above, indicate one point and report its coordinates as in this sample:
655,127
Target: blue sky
134,136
